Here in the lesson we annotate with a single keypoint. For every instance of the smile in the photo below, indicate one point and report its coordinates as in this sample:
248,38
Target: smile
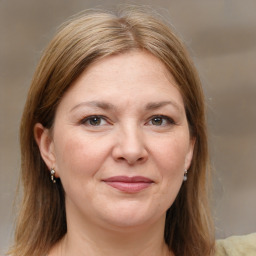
129,184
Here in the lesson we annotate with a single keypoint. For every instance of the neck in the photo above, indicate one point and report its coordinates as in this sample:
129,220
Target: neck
139,241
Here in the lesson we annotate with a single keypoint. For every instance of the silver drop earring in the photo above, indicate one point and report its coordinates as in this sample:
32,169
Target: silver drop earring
185,175
52,176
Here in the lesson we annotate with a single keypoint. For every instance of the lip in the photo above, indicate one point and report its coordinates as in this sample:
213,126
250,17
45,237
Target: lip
129,184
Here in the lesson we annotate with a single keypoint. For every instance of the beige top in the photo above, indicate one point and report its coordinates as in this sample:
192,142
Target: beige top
237,246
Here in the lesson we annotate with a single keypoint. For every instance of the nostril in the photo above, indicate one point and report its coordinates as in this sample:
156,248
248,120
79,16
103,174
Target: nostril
138,160
131,161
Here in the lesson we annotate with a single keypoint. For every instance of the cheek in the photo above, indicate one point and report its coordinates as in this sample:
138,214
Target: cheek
170,158
78,156
171,155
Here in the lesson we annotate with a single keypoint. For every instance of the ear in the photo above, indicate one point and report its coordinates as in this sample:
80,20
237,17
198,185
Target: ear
45,143
189,155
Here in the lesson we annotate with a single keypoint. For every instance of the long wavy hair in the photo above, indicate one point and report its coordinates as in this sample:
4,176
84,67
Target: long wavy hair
80,42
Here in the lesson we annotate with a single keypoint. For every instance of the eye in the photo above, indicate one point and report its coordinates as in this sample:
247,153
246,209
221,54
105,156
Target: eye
161,121
94,121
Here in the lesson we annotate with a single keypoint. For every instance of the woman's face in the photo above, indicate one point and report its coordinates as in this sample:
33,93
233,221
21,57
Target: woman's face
120,142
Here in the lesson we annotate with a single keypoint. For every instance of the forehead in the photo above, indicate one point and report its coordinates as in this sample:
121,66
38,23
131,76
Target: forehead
126,77
136,64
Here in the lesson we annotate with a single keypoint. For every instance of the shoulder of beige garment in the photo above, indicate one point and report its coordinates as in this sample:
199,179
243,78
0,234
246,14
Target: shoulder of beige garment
237,246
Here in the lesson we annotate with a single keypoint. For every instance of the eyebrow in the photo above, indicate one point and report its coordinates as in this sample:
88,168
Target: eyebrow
106,106
157,105
97,104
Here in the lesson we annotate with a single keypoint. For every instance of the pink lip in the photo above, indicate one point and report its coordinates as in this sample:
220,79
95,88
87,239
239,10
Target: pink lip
129,184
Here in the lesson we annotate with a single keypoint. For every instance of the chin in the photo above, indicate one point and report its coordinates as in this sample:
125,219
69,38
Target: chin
131,216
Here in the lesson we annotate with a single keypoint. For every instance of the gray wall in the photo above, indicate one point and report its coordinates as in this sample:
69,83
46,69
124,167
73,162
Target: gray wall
221,36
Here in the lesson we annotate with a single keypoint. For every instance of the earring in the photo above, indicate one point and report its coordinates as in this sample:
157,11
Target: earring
185,175
53,176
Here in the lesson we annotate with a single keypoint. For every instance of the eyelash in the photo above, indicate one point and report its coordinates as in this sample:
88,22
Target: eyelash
169,120
90,118
162,118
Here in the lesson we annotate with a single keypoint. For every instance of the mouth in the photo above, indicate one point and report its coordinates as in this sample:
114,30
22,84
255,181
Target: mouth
127,184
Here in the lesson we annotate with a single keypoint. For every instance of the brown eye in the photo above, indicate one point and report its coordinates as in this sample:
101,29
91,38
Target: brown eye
94,121
161,121
157,121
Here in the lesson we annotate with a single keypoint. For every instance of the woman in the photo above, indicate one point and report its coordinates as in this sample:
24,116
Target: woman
114,146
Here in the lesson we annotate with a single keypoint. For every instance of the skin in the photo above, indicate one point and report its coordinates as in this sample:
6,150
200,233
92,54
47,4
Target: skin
123,116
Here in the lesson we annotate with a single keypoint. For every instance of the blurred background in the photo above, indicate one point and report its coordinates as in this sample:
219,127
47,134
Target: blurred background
221,37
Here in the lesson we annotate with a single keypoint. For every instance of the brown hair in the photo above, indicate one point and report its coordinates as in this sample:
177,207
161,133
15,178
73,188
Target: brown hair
82,41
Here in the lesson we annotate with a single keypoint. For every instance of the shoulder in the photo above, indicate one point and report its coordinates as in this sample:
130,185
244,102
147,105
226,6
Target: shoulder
237,246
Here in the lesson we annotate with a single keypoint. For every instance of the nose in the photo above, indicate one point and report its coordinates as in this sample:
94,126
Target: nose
130,146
